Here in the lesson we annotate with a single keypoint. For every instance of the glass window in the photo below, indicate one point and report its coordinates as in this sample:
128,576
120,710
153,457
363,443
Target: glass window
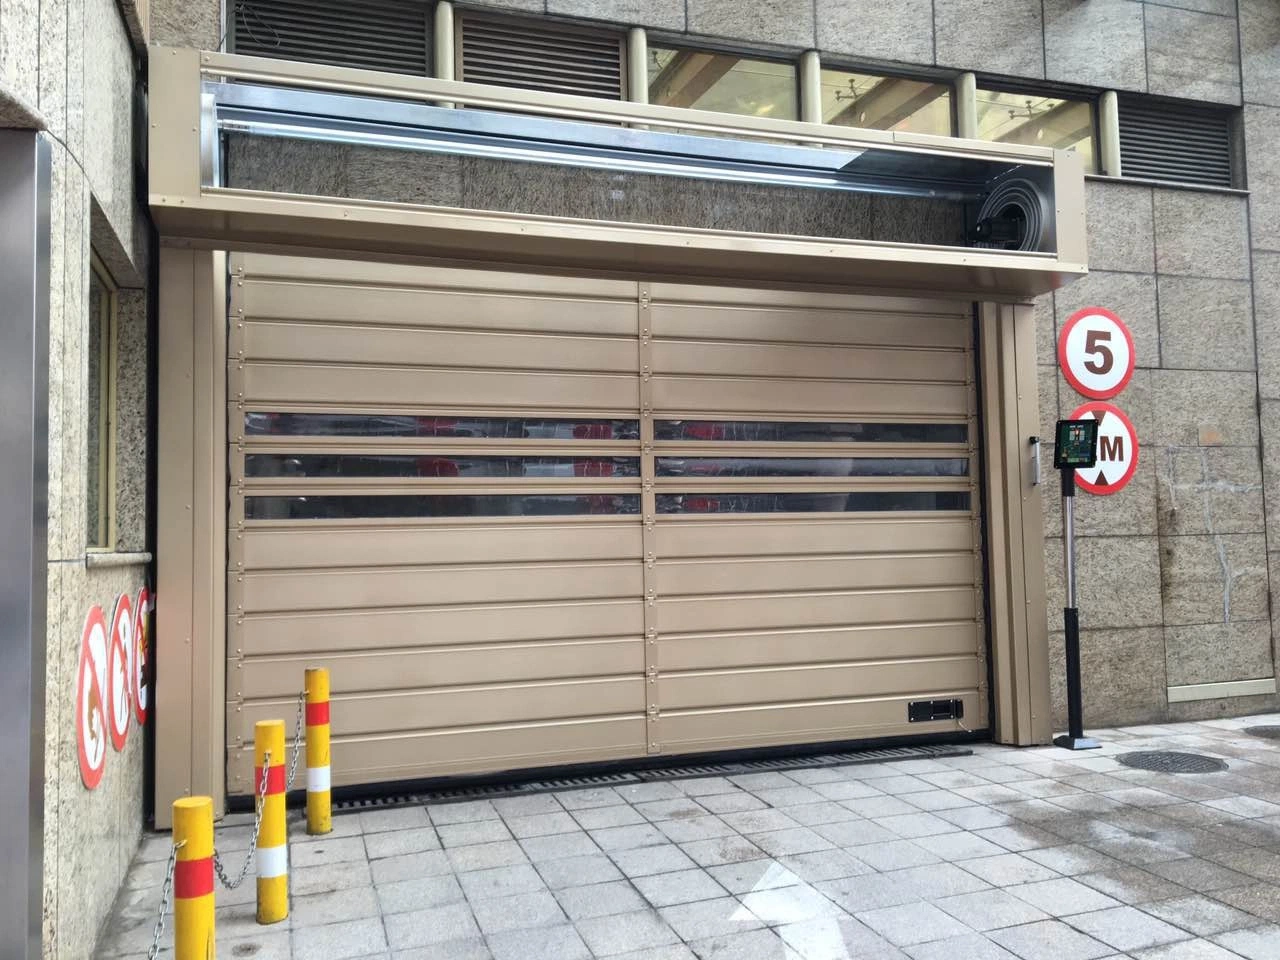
99,424
526,505
885,103
723,82
1039,121
779,431
435,465
808,502
475,428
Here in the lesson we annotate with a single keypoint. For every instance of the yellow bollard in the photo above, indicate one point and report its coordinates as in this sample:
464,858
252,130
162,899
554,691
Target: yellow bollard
319,807
273,850
193,879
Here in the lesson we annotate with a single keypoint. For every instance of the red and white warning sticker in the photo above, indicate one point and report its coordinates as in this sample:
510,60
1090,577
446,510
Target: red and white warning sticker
139,654
91,717
119,694
1117,450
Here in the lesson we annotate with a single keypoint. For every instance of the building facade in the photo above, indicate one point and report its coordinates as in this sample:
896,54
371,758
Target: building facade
1173,110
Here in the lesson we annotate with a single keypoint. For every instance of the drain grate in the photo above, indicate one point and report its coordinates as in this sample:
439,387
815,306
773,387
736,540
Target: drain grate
485,791
1169,761
1270,732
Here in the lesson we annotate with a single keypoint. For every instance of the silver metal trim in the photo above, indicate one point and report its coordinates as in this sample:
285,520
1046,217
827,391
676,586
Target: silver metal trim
1069,547
25,184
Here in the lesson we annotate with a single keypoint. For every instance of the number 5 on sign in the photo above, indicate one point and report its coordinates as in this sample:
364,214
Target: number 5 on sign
1095,351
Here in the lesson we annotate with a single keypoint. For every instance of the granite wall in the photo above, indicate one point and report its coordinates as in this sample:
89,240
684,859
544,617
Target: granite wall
69,67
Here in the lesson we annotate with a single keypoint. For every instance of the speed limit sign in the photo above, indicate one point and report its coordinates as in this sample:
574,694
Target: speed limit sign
1095,351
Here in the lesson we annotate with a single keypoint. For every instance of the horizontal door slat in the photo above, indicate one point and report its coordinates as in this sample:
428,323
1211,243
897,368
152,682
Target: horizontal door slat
730,537
795,325
781,611
810,362
763,397
748,575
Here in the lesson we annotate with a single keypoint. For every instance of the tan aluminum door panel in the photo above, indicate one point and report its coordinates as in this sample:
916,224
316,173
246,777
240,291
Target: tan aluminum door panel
816,645
846,327
667,295
699,359
824,399
338,631
383,669
372,588
358,760
291,546
728,688
715,536
774,611
756,575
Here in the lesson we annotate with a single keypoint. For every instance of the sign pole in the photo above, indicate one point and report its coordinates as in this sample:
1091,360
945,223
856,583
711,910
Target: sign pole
1073,436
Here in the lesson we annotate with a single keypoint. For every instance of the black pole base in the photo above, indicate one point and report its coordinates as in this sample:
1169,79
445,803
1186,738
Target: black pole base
1068,742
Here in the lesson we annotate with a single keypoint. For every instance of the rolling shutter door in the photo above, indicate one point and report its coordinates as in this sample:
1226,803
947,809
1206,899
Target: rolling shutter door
531,520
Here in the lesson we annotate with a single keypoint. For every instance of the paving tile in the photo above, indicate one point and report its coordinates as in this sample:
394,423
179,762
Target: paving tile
314,853
645,861
753,945
779,843
626,932
961,845
846,790
1127,928
705,786
273,945
627,838
435,925
913,825
1255,943
898,785
990,909
431,864
1187,950
680,886
937,800
1071,859
791,904
500,882
971,947
326,877
761,781
340,941
937,880
473,948
600,818
418,894
479,831
577,871
599,900
809,777
527,806
913,923
682,808
338,905
852,833
1049,940
519,912
713,853
1200,915
399,842
645,792
790,796
824,865
585,799
471,810
674,951
1260,899
541,825
879,806
753,875
836,938
894,855
1245,806
1131,885
1062,897
1007,869
759,821
484,856
709,918
1020,838
558,846
695,828
731,803
814,814
547,943
975,818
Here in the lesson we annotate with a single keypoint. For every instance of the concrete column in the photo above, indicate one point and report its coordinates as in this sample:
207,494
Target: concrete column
1109,134
445,67
637,65
967,106
811,87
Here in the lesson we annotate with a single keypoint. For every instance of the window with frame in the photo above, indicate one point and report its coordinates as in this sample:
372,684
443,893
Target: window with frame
100,425
1038,120
723,82
878,102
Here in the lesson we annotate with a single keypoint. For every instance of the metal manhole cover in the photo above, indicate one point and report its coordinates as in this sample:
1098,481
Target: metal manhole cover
1271,732
1169,761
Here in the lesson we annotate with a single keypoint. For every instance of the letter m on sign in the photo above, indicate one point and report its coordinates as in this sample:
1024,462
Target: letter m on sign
1111,448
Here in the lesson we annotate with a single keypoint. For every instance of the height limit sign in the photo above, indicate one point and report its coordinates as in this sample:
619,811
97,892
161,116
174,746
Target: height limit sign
1095,352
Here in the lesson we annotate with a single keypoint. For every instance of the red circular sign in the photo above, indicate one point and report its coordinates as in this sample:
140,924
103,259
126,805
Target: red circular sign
91,718
1096,353
141,656
119,705
1117,450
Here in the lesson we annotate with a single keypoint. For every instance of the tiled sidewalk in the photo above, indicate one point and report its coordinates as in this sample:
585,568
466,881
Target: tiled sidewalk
1035,854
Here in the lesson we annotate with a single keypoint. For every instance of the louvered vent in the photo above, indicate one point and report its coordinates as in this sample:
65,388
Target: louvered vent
372,34
1174,142
512,53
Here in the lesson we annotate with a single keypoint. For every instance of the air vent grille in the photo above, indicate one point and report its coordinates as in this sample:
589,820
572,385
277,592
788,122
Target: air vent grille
557,59
371,35
1175,143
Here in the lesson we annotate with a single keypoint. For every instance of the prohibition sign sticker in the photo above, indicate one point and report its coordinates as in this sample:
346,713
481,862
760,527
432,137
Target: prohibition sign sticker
1095,351
118,680
91,719
140,656
1117,450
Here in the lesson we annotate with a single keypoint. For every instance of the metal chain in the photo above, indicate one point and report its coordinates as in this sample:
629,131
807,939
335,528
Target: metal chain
165,890
253,839
298,729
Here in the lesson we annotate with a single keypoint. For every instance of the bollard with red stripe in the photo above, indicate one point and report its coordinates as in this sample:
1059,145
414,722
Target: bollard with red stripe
273,850
319,805
193,879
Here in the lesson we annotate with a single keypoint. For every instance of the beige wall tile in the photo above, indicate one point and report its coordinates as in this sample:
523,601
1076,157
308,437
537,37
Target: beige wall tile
662,14
1122,677
880,31
1120,227
1218,652
1192,407
1260,47
1131,296
1072,29
1209,490
1262,143
1117,582
1206,324
785,22
1201,234
992,36
191,23
1266,318
1192,55
1214,579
